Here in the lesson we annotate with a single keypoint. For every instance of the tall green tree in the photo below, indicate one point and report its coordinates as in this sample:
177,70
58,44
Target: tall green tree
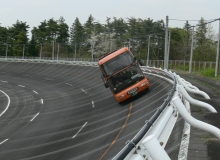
19,45
17,28
33,47
77,38
3,40
89,26
186,40
63,30
204,48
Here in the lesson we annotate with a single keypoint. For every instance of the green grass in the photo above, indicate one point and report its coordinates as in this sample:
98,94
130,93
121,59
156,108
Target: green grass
210,73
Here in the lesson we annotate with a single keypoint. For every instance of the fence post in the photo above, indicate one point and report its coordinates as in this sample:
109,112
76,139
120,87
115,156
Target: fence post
154,148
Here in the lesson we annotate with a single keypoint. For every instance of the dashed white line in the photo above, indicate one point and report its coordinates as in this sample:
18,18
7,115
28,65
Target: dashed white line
69,84
34,117
21,85
93,105
83,91
42,102
3,141
4,81
35,91
80,130
49,79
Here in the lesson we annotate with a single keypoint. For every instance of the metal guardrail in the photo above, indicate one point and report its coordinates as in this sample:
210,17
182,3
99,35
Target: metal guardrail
150,141
150,145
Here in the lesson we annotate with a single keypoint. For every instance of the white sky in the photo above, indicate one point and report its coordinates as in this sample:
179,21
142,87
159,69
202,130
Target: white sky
35,11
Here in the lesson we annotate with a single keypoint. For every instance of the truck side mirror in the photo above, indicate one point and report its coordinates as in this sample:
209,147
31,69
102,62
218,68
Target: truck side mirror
105,83
140,62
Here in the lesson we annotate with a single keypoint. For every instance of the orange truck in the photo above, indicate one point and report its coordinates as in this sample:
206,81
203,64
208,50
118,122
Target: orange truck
122,74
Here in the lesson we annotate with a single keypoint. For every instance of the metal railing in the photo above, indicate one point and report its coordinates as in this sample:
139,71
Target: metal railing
197,66
150,145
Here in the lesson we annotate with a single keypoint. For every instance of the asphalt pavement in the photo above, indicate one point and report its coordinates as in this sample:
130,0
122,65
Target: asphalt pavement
204,145
60,111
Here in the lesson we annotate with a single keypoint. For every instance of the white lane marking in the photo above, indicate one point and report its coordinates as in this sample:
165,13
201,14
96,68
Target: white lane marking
93,105
34,116
35,91
42,102
49,79
83,91
26,75
21,85
3,141
69,84
80,130
4,81
184,145
9,101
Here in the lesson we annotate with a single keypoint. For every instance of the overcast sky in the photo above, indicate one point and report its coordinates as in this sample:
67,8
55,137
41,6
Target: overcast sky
35,11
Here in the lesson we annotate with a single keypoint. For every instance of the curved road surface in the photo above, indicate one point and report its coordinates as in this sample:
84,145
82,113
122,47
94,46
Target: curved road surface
58,111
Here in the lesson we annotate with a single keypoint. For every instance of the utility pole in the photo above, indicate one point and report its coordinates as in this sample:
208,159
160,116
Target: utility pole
23,50
217,55
148,51
168,50
53,51
6,54
75,53
191,54
166,41
58,48
40,50
93,43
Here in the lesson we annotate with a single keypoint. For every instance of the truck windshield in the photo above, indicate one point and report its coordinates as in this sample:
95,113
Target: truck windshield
119,62
125,78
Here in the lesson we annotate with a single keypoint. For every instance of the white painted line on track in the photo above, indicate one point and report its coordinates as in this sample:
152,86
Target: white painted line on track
35,91
21,85
69,84
42,102
80,130
4,81
93,105
49,79
3,141
83,91
9,101
34,116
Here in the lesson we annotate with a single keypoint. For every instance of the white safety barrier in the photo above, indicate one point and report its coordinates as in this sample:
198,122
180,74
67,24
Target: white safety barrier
151,145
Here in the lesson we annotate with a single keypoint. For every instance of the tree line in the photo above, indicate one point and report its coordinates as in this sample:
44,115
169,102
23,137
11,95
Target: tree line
94,39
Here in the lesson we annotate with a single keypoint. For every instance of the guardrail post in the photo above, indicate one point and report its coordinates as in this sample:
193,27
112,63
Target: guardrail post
192,121
154,148
194,101
189,89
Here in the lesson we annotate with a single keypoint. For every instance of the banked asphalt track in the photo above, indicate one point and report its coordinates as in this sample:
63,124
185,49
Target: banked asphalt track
60,111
